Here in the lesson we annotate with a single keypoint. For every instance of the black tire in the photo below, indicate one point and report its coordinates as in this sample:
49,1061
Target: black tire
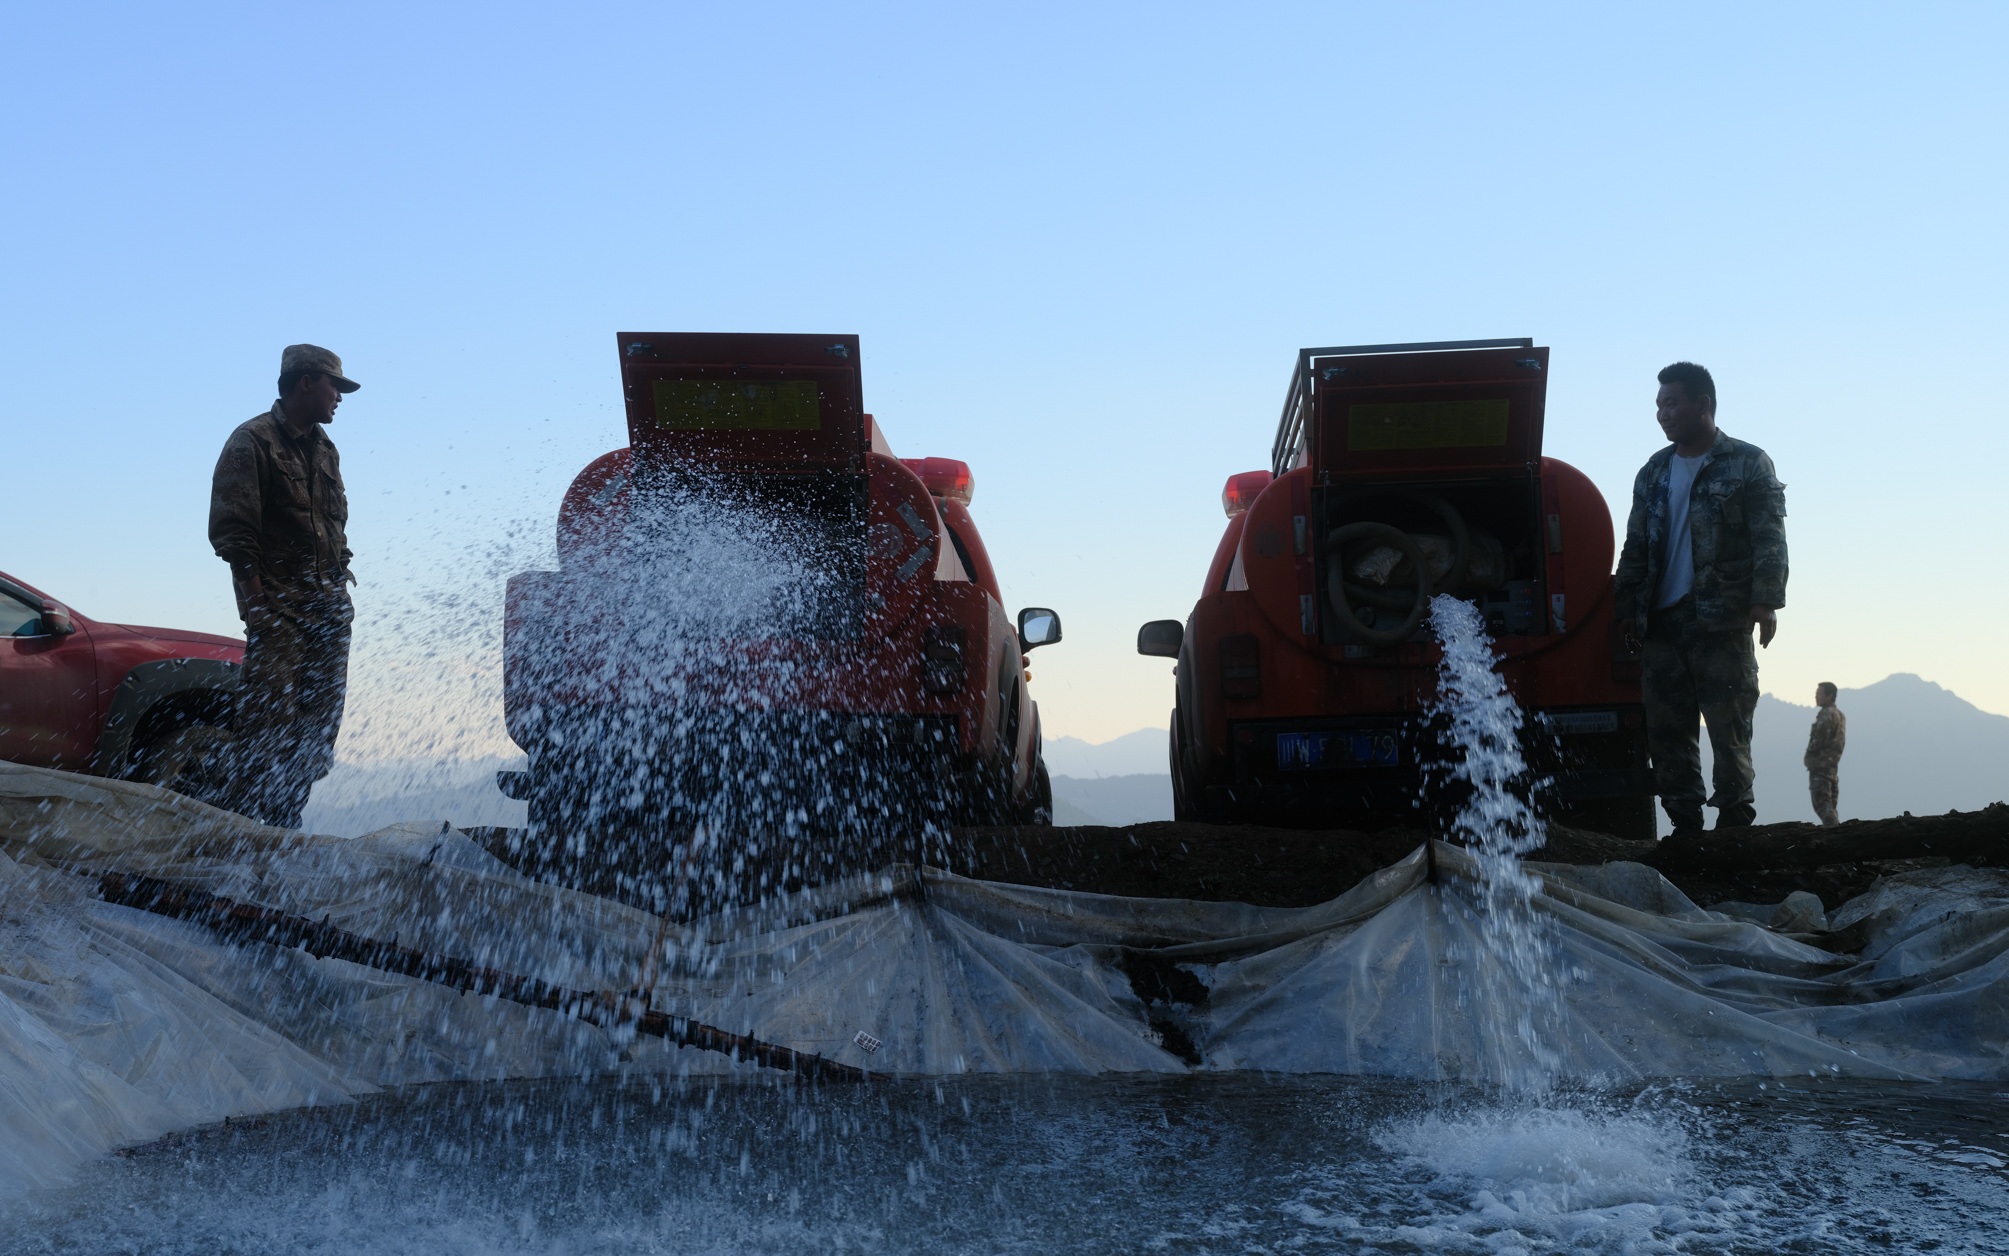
1461,558
1338,590
1183,806
187,759
1038,810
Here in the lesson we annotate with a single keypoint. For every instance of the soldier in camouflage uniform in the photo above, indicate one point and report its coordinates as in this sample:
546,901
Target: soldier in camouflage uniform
1824,754
1704,563
277,515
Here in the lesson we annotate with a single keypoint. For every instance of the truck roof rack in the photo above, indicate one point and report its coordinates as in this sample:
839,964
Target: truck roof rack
1298,397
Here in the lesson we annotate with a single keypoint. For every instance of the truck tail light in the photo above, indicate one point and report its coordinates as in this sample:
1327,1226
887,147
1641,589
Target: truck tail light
1242,491
942,669
944,477
1241,667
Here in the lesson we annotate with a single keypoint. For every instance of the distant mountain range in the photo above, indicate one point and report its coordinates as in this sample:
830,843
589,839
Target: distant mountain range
1142,753
358,798
1112,800
1913,746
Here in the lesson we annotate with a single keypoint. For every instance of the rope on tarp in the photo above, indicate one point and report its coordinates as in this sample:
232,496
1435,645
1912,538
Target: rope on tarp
231,919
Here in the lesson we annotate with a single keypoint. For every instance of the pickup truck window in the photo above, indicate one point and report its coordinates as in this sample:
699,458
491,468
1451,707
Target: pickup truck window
18,618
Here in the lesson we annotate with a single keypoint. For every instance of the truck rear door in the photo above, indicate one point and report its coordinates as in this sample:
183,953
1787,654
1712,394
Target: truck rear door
1428,414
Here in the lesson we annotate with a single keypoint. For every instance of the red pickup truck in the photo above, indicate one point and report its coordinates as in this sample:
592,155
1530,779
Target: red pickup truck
142,704
1307,667
851,673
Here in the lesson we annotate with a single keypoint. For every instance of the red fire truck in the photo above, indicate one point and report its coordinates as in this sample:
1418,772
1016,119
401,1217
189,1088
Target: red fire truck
1305,671
764,621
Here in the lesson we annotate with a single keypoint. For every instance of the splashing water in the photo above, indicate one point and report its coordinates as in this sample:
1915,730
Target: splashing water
678,766
1481,731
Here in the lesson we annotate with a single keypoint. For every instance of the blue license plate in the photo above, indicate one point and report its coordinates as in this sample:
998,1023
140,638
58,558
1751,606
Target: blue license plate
1303,752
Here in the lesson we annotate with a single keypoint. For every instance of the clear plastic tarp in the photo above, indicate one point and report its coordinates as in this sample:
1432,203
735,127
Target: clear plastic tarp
118,1025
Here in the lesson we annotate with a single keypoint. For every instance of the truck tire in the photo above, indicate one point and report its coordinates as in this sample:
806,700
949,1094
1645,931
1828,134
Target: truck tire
1038,810
1180,806
187,759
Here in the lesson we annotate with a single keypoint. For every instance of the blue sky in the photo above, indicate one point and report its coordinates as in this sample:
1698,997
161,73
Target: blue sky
1081,244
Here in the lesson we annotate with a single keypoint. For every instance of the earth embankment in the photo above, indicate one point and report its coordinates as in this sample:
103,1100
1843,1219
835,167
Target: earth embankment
1275,867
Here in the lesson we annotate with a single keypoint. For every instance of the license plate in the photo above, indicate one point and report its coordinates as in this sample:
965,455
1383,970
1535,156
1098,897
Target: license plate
1301,752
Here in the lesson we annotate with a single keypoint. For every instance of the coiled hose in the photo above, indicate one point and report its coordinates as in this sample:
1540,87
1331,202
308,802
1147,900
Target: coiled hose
1342,593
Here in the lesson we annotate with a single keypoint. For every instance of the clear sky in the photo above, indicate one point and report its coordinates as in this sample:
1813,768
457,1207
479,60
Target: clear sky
1081,244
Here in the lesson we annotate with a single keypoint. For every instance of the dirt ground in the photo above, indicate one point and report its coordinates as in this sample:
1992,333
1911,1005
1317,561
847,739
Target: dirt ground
1300,867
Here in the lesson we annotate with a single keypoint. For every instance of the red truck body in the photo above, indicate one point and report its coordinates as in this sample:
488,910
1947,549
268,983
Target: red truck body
888,670
119,700
1297,703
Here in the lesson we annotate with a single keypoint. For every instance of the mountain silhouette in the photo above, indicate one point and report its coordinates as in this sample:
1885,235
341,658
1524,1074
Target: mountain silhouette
1913,746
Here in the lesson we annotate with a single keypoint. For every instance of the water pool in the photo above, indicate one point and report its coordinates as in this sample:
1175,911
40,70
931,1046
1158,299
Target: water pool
1199,1163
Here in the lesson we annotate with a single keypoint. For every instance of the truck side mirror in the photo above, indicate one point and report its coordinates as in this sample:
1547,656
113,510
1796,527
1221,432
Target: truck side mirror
1161,638
1037,626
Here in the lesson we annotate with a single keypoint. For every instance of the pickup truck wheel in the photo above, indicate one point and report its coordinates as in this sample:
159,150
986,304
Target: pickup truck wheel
1038,810
1184,806
187,760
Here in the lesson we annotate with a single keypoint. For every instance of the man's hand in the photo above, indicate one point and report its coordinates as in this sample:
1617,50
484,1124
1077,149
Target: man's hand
251,601
1768,623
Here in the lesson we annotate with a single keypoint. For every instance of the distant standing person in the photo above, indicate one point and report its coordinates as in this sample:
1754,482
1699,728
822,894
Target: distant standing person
278,515
1704,563
1825,741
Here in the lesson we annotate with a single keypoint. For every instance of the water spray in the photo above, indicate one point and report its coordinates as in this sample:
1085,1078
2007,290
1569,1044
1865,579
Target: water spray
1481,732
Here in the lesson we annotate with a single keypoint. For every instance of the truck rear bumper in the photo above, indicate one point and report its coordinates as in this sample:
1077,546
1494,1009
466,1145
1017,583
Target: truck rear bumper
1375,766
682,762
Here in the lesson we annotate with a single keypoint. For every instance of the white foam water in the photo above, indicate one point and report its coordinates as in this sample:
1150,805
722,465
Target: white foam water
1527,1178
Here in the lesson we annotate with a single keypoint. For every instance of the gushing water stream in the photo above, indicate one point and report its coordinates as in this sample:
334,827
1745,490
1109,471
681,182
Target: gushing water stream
1481,734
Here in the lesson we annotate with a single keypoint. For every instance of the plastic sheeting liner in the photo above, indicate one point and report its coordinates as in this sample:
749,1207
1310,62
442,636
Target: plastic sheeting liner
117,1025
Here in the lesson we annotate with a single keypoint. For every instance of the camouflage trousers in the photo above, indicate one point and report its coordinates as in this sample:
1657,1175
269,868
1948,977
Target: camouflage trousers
1692,674
1824,784
289,708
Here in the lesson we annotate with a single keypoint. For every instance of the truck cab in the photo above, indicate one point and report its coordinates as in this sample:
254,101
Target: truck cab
1305,671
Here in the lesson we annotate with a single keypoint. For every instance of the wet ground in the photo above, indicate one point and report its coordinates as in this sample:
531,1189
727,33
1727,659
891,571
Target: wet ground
1186,1164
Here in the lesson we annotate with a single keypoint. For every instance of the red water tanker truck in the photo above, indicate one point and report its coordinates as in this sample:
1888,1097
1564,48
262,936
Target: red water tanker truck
1306,669
848,669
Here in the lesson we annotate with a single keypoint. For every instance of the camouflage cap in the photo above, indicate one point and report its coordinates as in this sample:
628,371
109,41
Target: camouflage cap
315,358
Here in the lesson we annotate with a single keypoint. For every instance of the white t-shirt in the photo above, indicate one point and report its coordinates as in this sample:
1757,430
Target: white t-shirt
1677,580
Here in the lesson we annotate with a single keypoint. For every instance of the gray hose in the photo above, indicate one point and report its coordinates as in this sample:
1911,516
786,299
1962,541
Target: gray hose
1337,589
1461,558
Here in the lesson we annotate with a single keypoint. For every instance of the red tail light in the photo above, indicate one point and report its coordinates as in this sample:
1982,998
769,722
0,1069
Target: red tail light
1241,667
945,477
1242,491
942,668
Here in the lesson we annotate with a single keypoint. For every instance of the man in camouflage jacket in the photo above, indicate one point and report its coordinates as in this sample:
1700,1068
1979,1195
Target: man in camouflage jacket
1704,563
1825,743
277,515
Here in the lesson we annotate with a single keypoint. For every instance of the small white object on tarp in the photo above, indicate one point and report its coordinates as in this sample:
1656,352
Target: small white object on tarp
118,1025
